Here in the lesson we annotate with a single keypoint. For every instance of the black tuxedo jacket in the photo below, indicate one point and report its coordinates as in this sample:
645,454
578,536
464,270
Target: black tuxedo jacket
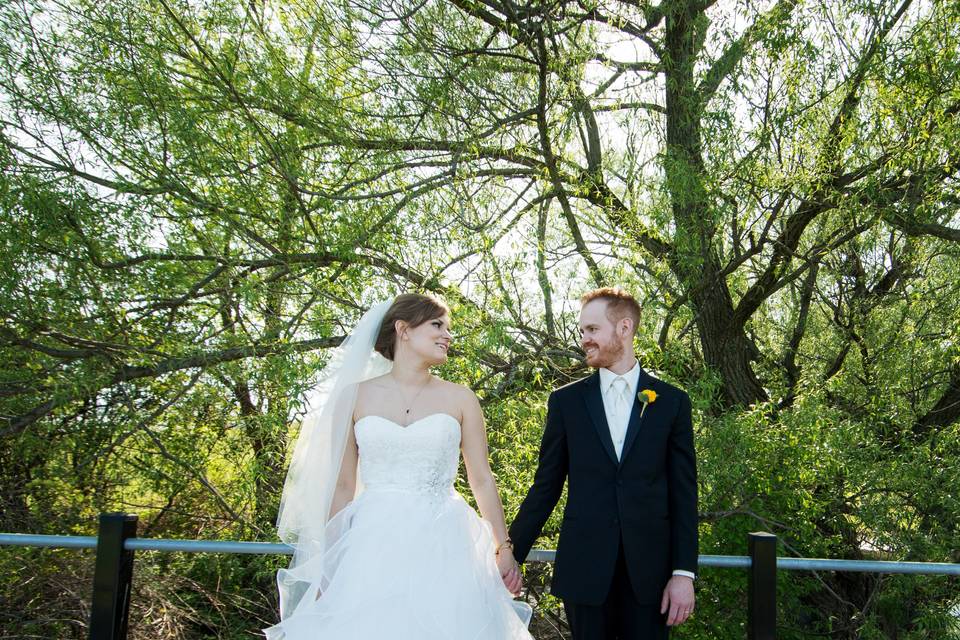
648,498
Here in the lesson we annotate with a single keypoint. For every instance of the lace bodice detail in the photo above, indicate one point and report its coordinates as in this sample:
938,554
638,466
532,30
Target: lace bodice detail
421,457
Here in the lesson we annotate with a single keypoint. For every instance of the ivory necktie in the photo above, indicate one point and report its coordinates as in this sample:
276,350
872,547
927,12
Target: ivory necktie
621,401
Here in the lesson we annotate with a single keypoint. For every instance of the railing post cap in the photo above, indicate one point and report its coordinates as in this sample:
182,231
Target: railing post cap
762,534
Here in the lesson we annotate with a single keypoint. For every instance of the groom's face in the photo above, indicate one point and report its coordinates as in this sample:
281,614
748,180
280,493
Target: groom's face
598,337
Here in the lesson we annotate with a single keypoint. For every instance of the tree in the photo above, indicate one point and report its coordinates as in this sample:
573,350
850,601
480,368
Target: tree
199,197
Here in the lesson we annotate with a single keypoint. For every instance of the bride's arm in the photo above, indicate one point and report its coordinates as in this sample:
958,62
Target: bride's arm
484,486
347,480
479,475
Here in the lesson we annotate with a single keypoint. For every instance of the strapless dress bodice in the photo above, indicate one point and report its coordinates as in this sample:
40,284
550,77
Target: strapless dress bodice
422,457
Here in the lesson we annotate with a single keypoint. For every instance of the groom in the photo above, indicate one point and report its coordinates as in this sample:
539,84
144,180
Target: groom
627,553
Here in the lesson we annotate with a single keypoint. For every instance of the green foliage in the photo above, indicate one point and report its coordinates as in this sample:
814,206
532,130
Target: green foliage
197,199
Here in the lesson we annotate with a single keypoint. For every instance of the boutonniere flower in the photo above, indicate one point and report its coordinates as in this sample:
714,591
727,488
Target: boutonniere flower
647,396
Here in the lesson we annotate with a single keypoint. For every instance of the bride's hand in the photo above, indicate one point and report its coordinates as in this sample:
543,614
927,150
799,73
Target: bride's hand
510,572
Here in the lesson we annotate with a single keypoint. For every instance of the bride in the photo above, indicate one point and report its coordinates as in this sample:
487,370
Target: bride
384,547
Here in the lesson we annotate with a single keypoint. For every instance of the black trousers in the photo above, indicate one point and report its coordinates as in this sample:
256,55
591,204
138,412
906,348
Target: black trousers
620,617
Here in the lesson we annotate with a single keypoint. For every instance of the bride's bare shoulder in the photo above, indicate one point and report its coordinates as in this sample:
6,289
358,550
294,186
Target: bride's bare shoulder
369,391
371,386
455,390
373,383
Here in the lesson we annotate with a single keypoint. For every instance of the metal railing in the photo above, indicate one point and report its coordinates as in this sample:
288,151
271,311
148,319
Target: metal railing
117,542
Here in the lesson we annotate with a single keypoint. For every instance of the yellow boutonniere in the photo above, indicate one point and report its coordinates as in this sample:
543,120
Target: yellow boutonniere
647,396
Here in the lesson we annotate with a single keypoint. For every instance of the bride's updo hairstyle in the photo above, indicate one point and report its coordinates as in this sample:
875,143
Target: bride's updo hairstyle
412,308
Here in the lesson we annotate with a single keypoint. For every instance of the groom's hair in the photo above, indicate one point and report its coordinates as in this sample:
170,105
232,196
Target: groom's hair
620,304
412,308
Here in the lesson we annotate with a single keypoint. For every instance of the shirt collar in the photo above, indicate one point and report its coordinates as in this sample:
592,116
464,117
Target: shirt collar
632,377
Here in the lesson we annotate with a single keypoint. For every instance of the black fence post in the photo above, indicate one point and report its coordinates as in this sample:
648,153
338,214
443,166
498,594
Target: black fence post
112,577
762,587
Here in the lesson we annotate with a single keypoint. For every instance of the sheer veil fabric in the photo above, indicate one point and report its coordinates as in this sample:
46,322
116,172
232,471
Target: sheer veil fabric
303,520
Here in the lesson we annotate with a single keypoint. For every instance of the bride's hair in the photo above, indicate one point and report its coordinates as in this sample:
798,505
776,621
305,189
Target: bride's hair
412,308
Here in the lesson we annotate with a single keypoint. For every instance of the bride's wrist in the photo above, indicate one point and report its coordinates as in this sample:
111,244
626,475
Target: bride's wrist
506,544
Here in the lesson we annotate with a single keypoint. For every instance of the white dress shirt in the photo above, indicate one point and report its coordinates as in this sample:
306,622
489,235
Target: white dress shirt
618,417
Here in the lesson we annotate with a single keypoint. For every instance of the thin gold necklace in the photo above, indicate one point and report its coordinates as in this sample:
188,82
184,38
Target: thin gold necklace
406,413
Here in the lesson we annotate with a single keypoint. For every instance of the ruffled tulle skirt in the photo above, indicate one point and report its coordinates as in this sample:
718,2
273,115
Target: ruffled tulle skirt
406,566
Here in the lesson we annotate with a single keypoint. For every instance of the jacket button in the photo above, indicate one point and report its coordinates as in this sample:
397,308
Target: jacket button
616,521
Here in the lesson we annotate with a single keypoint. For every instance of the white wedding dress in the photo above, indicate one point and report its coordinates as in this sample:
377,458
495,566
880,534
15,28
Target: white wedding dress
411,559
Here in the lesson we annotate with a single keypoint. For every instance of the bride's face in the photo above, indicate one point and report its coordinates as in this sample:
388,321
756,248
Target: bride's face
430,341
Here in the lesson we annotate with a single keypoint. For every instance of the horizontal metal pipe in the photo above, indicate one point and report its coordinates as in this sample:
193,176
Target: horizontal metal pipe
536,555
868,566
737,562
207,546
52,542
541,555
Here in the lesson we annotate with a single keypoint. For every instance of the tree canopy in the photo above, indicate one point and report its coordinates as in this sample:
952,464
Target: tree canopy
199,198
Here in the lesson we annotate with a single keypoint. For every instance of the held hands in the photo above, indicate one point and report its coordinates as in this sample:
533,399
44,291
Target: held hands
508,567
678,599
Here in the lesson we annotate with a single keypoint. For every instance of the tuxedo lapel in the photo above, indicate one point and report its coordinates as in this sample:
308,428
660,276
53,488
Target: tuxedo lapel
646,381
594,400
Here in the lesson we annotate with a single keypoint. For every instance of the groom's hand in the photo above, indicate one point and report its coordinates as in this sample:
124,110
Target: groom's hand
678,599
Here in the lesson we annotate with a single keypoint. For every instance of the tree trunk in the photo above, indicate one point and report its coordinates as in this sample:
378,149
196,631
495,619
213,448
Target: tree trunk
726,347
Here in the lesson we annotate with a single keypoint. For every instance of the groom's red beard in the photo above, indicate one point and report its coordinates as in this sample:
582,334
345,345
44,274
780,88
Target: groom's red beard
605,356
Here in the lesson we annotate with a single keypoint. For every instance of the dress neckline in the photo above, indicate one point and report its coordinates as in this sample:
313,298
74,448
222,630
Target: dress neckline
400,426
